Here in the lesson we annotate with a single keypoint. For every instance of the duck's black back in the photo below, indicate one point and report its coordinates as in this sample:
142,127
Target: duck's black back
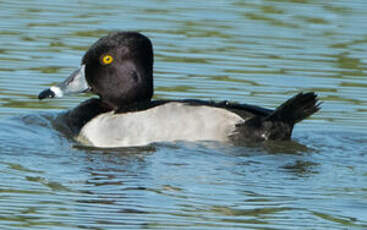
258,124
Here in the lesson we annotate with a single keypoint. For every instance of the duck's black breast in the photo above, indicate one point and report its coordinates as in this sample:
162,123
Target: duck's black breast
76,118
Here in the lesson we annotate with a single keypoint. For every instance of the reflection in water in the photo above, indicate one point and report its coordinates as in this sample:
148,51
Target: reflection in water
252,52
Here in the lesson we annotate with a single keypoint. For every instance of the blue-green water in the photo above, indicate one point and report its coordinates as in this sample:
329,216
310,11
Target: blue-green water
257,52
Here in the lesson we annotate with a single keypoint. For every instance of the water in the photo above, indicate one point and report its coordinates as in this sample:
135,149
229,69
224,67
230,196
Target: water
257,52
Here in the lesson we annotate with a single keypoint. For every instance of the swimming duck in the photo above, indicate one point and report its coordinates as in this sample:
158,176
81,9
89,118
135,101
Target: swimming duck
119,69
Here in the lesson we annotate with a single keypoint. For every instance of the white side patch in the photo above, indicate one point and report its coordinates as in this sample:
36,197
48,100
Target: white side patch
169,122
58,92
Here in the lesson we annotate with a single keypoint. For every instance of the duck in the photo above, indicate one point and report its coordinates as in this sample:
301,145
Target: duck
118,68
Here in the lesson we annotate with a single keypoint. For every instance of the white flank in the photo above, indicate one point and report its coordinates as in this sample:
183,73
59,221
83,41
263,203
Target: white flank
169,122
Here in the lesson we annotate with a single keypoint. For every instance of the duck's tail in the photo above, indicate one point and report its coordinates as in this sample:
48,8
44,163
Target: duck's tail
278,125
296,109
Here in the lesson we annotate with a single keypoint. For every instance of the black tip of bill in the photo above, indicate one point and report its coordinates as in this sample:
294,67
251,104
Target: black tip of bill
47,93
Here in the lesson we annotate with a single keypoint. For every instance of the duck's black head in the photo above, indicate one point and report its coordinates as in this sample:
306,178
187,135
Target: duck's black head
118,68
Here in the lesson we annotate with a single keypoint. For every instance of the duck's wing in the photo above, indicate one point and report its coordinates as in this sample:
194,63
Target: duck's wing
245,111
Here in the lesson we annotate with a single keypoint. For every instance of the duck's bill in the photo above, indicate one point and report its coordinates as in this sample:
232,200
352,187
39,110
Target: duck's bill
75,83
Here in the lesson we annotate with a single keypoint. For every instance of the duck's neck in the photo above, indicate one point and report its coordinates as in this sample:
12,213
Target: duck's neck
133,107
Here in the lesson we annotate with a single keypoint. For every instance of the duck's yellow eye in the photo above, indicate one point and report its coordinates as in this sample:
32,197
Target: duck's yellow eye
107,59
